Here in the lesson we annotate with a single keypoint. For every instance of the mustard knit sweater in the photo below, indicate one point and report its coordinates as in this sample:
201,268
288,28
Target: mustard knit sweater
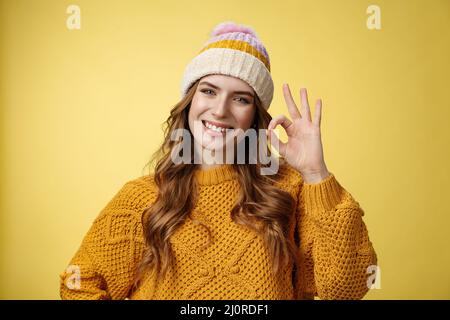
335,250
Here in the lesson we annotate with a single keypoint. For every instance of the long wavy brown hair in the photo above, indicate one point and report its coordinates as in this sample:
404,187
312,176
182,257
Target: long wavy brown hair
260,200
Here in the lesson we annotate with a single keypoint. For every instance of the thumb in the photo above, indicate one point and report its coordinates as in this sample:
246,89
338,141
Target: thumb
280,146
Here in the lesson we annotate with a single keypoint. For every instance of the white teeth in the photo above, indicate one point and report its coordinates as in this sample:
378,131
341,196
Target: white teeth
213,127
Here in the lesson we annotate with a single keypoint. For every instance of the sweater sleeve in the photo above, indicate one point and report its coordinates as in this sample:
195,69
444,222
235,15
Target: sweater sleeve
103,266
335,250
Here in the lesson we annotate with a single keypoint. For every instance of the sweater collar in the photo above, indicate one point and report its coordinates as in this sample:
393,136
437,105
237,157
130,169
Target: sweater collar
215,175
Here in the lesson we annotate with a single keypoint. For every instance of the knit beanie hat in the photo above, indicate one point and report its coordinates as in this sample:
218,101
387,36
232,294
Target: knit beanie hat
233,50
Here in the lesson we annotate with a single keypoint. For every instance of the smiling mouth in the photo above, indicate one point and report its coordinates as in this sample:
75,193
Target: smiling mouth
218,129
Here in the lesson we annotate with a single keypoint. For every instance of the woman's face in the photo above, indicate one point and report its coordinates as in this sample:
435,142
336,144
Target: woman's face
222,101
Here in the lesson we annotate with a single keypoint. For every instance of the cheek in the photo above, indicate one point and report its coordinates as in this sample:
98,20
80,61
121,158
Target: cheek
245,118
197,106
194,110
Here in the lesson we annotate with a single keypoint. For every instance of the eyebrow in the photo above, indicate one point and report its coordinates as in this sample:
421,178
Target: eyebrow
216,87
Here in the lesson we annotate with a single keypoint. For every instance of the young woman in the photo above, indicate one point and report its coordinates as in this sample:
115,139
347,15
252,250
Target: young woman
202,229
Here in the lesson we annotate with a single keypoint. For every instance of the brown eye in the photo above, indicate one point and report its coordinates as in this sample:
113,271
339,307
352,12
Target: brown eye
244,101
206,90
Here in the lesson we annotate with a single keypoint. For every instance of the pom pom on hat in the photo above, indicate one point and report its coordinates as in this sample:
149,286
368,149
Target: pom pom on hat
230,26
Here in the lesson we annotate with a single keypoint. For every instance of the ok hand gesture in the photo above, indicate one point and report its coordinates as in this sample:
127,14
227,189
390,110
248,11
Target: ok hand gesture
303,150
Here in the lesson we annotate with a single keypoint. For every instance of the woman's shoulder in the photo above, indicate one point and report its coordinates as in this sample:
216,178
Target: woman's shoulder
137,193
145,183
119,218
132,197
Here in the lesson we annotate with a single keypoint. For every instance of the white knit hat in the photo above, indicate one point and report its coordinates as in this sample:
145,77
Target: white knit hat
233,50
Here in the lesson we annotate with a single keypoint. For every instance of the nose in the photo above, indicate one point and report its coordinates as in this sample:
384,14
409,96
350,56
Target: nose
220,110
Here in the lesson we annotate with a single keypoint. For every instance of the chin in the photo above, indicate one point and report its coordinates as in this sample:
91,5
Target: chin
211,145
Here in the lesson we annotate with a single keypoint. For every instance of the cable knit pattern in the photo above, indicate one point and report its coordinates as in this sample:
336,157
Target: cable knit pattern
231,262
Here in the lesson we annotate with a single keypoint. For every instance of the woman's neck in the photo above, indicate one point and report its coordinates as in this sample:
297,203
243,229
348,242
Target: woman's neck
205,166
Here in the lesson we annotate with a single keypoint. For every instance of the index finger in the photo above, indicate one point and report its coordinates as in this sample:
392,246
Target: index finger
292,108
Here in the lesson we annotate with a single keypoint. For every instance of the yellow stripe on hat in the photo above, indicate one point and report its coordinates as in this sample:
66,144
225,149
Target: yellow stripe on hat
238,45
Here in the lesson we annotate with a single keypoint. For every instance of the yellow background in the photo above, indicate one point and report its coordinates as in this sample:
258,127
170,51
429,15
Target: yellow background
81,113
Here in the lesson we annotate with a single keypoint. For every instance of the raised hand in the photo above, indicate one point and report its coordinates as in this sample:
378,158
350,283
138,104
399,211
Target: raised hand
303,150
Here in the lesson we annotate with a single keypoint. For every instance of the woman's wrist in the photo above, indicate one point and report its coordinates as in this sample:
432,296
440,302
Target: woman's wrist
316,177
